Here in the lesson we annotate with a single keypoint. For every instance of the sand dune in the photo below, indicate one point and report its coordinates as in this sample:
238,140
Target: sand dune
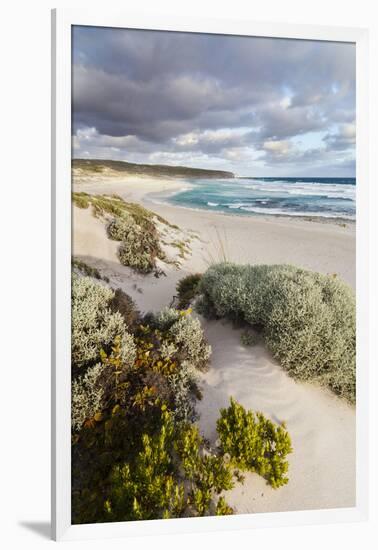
322,427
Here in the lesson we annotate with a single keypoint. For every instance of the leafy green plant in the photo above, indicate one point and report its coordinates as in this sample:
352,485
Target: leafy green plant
222,508
255,443
208,474
308,319
187,289
150,487
147,488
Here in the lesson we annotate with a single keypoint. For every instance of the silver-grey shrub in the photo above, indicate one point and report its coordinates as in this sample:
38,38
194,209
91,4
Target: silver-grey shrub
181,384
119,228
94,325
139,248
165,318
184,333
188,336
87,396
308,319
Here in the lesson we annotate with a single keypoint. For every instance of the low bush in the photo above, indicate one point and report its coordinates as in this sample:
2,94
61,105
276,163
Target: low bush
208,474
131,224
308,319
185,333
124,304
139,250
164,319
187,289
94,324
254,443
136,453
119,228
87,396
182,385
150,487
188,336
140,243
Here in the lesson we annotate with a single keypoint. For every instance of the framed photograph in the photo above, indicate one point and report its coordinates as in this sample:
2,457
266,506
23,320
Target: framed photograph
210,260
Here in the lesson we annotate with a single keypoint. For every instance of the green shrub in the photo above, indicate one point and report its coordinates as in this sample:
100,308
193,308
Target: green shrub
151,487
223,509
187,289
94,325
147,488
308,319
135,451
254,443
208,474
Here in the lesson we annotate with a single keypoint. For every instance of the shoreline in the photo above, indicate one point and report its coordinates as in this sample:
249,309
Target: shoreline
153,198
143,188
325,247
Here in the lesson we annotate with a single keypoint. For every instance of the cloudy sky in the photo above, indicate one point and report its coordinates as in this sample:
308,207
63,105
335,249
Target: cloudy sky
255,106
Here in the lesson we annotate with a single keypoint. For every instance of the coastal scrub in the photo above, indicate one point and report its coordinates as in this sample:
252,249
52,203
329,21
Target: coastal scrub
307,319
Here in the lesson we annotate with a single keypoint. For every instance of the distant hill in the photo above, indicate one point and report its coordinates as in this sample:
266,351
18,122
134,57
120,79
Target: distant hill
155,170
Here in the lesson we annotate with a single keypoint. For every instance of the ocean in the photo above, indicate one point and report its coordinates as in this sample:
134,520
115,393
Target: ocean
303,197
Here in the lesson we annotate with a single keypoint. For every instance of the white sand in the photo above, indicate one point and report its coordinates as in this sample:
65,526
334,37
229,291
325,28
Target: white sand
322,427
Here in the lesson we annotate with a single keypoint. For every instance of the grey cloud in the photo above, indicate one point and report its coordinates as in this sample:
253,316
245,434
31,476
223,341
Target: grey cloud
155,88
343,139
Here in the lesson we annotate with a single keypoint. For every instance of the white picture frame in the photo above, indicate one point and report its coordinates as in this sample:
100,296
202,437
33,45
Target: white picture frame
62,21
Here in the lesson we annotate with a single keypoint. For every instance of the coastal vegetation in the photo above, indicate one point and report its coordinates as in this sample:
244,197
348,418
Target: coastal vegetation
255,443
307,319
137,452
132,225
141,233
187,289
85,269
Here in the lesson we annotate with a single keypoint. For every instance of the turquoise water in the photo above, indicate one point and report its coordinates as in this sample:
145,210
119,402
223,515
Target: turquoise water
320,197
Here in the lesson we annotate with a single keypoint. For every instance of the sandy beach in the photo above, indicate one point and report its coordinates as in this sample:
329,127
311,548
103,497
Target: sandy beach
322,427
